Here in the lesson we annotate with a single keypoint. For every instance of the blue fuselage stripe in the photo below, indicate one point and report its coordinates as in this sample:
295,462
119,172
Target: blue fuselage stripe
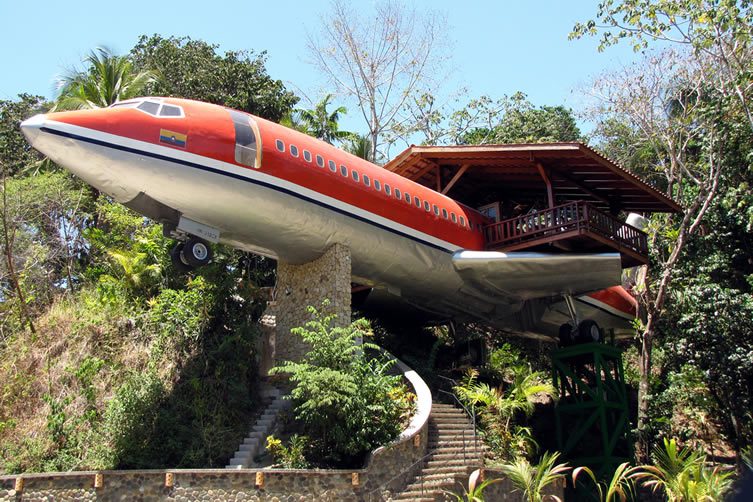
270,186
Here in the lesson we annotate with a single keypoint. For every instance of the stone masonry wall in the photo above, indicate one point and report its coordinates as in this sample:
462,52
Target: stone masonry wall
300,286
199,485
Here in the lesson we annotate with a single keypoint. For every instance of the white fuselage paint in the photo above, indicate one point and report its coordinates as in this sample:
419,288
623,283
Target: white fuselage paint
267,215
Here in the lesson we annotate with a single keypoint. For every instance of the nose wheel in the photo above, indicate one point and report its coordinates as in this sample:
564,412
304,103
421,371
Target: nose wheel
191,254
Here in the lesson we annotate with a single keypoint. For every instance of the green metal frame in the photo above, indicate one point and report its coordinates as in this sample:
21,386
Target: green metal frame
592,418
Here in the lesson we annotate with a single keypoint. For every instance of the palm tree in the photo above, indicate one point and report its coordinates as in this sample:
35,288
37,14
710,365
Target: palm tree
322,124
360,146
108,79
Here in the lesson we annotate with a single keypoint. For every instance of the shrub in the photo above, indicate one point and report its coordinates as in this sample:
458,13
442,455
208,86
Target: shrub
343,399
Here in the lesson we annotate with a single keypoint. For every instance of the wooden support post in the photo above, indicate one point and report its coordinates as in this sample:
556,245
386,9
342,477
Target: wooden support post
455,178
439,179
548,181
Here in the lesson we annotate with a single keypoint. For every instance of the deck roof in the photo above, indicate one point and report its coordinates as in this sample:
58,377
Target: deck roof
476,173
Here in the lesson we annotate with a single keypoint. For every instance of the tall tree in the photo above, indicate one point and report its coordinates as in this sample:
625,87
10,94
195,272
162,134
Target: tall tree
667,104
193,69
106,79
378,58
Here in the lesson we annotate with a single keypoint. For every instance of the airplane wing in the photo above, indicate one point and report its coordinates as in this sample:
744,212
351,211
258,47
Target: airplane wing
527,276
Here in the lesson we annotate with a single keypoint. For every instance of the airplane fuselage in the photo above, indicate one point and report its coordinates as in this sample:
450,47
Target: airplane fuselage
271,190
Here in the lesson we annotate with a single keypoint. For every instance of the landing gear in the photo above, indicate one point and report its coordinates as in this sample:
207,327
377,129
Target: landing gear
586,332
191,254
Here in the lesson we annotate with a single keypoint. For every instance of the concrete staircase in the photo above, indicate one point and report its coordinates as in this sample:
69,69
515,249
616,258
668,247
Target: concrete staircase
454,455
254,444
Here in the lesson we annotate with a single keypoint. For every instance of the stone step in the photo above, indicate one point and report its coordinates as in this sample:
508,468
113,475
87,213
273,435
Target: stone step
453,463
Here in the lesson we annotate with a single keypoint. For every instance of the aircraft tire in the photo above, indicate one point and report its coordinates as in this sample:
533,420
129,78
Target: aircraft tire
589,332
196,252
176,257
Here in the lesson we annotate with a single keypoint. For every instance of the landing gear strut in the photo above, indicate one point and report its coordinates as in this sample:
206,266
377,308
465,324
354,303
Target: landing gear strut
575,332
191,254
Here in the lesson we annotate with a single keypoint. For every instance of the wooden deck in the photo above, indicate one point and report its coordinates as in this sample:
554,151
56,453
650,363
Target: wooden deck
575,227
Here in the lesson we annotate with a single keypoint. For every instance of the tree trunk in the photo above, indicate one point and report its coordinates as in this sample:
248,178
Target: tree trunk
643,443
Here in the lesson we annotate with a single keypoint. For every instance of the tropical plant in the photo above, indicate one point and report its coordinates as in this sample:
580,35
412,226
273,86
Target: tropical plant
682,475
620,486
360,146
532,480
292,456
500,406
107,79
475,491
343,398
322,123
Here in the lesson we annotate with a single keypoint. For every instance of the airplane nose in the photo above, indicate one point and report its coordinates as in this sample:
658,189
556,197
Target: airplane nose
31,127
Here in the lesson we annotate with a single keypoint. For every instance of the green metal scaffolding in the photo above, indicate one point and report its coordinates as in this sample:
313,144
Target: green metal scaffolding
592,416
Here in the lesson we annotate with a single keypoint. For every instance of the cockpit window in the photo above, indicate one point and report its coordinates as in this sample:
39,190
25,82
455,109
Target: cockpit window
170,111
247,147
154,107
149,107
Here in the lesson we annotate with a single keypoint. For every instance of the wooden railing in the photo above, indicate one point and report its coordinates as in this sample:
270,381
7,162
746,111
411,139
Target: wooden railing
572,218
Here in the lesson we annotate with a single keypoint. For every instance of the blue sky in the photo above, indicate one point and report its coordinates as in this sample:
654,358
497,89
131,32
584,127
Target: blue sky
498,47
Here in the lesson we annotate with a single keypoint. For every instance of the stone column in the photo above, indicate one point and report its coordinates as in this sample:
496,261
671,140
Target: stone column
301,286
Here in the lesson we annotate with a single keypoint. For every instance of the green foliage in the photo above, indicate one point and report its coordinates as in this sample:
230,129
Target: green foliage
620,486
532,480
178,317
681,474
292,456
16,155
475,490
192,69
320,122
106,79
504,409
344,401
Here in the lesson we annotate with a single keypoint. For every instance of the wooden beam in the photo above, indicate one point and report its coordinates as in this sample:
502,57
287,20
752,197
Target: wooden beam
455,178
549,190
439,178
583,187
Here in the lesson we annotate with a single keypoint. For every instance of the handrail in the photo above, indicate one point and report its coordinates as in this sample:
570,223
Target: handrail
368,495
573,216
472,415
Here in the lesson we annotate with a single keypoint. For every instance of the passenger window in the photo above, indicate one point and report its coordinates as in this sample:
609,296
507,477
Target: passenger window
332,166
417,201
444,213
436,209
170,111
387,189
355,176
453,218
307,156
246,151
280,145
378,185
366,180
397,193
294,150
344,171
320,161
149,107
407,197
427,206
462,221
